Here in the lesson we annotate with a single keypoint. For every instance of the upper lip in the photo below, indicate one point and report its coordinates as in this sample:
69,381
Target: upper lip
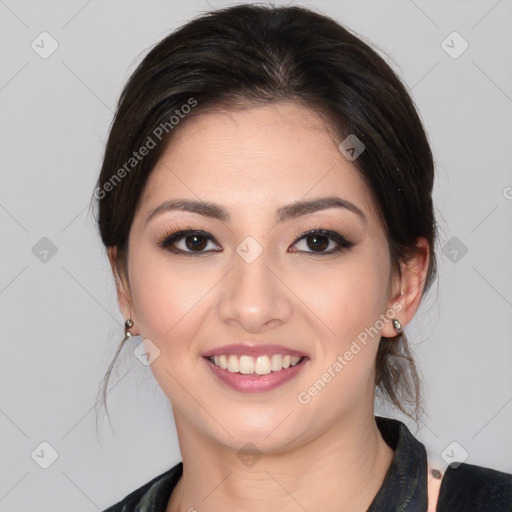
253,350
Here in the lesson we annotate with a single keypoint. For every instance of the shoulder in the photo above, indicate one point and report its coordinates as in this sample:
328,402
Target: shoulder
153,495
468,488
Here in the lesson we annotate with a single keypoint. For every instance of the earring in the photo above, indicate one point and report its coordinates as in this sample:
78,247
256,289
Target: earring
127,326
398,326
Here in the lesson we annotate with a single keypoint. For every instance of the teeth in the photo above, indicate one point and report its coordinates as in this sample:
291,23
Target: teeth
276,363
233,364
246,364
260,365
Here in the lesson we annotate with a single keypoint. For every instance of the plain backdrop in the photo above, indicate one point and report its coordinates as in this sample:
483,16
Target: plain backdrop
60,321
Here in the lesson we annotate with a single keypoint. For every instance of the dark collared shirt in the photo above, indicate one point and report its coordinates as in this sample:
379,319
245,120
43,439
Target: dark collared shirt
464,488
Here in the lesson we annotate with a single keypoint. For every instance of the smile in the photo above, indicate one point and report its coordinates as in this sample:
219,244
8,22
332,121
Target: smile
247,374
261,365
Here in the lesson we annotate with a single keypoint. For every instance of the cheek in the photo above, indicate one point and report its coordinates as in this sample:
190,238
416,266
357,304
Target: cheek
346,297
354,300
364,297
166,301
171,307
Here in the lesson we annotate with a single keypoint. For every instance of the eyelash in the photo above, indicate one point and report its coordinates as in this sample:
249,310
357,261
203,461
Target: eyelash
173,236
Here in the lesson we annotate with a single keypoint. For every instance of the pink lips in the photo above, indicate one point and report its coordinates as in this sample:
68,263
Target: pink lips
255,383
253,350
247,383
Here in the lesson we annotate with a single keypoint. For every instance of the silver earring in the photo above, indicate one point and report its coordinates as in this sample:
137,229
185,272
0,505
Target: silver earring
398,326
127,326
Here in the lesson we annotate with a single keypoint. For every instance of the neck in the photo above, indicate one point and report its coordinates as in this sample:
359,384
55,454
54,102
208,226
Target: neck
341,470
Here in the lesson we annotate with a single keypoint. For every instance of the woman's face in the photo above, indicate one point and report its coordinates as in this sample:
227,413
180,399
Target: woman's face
254,278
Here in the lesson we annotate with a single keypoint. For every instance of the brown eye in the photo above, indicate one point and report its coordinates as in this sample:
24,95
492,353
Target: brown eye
195,242
318,241
192,242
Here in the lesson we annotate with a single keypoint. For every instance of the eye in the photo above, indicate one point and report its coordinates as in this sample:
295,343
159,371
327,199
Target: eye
192,241
321,239
195,242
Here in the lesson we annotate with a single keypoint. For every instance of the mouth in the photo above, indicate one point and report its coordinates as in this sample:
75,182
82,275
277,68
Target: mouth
258,372
260,365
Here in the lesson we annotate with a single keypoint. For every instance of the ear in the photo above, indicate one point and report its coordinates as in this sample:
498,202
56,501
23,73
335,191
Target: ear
124,298
407,289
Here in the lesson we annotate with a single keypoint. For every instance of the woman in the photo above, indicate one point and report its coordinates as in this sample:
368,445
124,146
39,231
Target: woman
266,204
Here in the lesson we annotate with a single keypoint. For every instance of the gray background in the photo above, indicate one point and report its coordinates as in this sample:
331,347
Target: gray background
60,321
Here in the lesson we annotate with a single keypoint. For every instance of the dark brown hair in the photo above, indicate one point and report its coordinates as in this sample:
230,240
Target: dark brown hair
251,54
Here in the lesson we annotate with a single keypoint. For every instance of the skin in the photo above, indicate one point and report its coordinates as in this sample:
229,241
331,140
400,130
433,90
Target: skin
324,455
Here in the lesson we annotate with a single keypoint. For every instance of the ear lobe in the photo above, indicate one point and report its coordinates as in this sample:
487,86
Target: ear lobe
123,297
412,283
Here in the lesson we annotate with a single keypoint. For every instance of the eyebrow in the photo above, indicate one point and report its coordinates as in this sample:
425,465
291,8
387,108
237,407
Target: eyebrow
290,211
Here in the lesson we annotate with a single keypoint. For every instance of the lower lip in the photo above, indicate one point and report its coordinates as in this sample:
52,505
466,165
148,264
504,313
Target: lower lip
255,383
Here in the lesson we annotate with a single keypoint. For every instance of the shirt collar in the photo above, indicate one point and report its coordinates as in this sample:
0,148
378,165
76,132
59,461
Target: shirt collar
405,485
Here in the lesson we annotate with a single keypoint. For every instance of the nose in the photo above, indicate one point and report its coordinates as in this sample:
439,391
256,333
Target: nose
253,295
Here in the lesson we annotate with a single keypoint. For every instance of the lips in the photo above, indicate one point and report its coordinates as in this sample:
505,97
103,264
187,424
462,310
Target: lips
255,368
253,350
260,365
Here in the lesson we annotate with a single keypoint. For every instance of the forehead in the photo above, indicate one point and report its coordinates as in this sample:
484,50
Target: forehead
254,158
